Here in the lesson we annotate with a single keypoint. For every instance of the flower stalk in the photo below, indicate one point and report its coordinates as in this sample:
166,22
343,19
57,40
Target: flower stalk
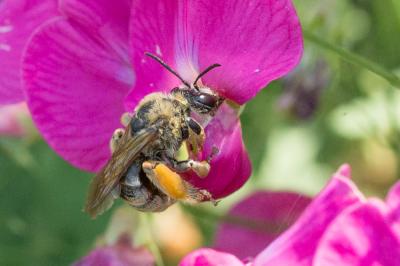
145,226
353,58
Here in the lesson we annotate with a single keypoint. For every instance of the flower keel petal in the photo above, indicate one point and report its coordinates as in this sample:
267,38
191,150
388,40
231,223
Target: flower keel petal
231,166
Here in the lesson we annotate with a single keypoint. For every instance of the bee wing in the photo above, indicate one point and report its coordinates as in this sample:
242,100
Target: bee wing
100,196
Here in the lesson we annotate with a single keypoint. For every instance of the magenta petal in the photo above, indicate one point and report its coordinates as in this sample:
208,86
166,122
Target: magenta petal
298,244
360,236
231,166
152,30
210,257
393,197
120,254
393,203
255,41
18,19
75,82
273,212
104,17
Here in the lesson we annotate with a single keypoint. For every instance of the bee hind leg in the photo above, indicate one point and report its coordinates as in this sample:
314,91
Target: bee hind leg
172,184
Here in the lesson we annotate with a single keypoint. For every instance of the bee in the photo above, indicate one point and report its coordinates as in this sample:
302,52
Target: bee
144,169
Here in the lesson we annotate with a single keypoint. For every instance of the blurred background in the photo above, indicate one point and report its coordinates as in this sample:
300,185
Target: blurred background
297,131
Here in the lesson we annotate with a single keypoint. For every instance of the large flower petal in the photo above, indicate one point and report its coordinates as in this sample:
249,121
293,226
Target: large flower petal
76,78
104,17
393,202
231,166
393,197
298,244
255,41
152,29
210,257
360,236
271,213
18,19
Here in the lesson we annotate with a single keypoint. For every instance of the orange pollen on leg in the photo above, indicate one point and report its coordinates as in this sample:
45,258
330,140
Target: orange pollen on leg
170,181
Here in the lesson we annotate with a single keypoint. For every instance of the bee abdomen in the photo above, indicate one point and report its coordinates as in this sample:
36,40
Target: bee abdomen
137,191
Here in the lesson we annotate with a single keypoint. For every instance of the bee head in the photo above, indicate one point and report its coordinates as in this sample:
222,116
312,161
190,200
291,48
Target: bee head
200,99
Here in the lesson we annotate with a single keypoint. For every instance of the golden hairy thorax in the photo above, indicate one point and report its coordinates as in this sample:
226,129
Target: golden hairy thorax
171,110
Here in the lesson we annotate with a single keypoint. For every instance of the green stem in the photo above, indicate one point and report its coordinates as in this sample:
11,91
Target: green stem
396,6
145,225
353,58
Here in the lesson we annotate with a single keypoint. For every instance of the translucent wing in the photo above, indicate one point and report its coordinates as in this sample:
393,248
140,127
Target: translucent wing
100,196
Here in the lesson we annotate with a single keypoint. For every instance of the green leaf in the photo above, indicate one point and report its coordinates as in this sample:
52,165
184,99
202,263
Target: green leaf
353,58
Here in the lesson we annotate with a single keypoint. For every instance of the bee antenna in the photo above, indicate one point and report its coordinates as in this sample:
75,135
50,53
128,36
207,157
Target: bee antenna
159,60
205,71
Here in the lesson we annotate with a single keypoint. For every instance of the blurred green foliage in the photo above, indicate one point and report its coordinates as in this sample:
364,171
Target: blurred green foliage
41,222
355,119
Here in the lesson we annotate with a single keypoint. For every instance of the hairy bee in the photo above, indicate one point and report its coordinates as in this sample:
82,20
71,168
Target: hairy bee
143,169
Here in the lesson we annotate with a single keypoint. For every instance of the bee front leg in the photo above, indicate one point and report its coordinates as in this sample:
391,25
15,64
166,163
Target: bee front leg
200,168
196,137
172,184
117,135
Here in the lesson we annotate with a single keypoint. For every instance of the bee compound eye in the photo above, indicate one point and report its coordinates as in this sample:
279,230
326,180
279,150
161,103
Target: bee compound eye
137,124
207,100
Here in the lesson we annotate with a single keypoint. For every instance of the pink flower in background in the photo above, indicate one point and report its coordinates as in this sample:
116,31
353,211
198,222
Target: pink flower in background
78,70
18,20
267,213
339,227
11,117
120,254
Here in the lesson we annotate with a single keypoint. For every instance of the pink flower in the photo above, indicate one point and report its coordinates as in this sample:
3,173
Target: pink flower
18,20
339,227
120,254
78,70
11,117
270,213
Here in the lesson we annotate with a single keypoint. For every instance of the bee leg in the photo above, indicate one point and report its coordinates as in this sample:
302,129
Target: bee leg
172,184
201,168
117,135
197,139
194,126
